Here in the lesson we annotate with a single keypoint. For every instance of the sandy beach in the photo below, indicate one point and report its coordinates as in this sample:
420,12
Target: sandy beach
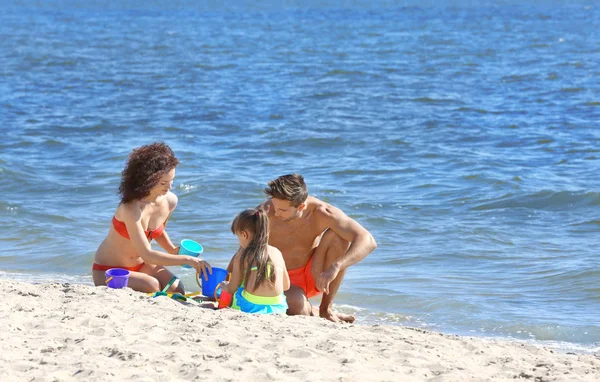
62,332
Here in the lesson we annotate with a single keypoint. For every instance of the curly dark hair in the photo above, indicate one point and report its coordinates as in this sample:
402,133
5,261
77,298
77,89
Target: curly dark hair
145,167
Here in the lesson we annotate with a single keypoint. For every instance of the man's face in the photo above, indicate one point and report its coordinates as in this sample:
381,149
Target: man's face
284,210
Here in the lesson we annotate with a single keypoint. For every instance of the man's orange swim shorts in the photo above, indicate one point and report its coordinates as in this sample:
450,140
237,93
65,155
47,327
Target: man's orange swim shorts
303,278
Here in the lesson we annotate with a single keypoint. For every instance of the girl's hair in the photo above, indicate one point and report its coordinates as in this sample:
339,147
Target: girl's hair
145,167
255,254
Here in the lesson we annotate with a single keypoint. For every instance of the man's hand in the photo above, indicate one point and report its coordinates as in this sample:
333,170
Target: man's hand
326,277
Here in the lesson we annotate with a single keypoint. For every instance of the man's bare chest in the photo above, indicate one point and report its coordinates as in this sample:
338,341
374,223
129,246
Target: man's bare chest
294,234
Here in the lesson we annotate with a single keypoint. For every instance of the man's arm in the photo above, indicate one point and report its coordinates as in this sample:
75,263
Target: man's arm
362,242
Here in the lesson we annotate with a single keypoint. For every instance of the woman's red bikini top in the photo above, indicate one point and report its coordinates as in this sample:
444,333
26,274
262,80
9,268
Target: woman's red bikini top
121,229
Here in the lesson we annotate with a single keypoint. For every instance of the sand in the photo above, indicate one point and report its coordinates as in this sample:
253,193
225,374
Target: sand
63,332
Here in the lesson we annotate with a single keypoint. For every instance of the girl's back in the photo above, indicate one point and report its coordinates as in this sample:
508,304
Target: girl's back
258,275
281,283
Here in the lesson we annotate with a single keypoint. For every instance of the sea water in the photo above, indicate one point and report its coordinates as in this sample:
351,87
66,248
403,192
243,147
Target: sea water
463,135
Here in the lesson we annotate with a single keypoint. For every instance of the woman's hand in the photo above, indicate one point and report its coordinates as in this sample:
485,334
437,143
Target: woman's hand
200,266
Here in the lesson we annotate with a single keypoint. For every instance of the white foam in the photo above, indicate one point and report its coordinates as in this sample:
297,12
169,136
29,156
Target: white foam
46,278
186,187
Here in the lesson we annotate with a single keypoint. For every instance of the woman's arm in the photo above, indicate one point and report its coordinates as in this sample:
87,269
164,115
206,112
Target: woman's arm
164,240
132,218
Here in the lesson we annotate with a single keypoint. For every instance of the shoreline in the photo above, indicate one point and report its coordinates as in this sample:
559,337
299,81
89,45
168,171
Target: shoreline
79,332
556,345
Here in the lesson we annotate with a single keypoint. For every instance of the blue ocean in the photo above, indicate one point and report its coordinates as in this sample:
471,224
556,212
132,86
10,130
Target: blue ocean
464,135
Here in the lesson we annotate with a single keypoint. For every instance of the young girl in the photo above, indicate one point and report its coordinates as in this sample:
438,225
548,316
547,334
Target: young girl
258,274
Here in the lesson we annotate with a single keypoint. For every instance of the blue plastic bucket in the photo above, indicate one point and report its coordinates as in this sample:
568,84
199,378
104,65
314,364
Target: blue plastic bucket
117,278
190,248
208,286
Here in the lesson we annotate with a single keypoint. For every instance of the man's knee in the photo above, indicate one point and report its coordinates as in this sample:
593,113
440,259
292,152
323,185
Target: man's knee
335,243
296,302
295,307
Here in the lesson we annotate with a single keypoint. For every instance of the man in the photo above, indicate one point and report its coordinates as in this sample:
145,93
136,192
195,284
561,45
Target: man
318,242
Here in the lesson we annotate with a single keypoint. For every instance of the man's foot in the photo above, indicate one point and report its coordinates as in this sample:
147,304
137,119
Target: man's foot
336,317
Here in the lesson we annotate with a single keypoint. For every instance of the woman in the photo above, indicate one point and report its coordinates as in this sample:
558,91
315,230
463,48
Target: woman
146,204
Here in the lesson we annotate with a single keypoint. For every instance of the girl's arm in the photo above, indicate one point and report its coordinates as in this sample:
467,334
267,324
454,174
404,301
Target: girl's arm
230,266
236,274
280,263
286,278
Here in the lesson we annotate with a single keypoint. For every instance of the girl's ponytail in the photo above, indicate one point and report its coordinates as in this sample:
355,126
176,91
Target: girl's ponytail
256,253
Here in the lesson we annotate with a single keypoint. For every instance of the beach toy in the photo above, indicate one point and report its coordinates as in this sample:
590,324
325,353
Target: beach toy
209,286
190,248
175,296
164,291
117,278
224,299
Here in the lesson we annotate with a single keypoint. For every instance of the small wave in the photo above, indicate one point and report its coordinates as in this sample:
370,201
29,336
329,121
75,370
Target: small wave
436,100
54,142
556,334
340,72
583,151
61,63
215,67
332,192
326,95
46,278
186,187
314,142
519,78
6,172
367,172
545,141
103,126
544,200
535,46
285,153
472,110
373,206
589,222
572,90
